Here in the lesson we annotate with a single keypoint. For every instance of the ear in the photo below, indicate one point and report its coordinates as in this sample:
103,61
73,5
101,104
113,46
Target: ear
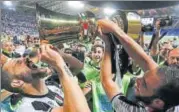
17,83
158,103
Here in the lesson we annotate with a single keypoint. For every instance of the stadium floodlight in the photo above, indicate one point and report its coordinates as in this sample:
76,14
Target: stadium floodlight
7,3
109,11
76,4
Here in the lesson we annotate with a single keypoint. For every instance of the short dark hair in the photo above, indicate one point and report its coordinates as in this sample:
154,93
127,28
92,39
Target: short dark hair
169,90
95,46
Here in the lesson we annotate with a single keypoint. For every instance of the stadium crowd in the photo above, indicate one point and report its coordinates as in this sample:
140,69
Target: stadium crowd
18,23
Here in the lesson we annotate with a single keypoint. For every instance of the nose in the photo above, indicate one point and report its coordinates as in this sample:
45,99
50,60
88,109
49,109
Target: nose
175,61
96,55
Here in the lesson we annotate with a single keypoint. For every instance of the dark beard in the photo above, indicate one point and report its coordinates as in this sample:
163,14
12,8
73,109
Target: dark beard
174,66
29,76
145,100
131,96
135,99
39,73
148,101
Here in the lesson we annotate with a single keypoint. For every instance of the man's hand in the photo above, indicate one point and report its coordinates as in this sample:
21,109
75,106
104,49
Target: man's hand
131,47
50,56
107,26
72,92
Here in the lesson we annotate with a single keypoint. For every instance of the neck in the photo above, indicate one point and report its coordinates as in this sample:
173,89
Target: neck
95,63
7,52
37,88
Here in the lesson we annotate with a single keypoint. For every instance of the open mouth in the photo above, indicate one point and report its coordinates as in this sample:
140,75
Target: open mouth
34,67
30,64
97,57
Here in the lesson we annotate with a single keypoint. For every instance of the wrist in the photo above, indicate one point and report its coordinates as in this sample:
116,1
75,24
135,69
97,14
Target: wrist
63,69
60,64
118,31
59,61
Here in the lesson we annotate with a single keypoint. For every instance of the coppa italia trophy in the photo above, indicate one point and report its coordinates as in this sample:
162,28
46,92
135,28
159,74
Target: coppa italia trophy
60,28
56,28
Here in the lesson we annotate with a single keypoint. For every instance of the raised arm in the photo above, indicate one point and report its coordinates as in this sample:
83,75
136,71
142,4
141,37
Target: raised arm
155,48
74,100
110,87
132,48
75,65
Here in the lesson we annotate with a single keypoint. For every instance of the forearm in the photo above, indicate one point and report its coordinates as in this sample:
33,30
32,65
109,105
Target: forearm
106,64
110,87
74,100
135,51
75,65
155,49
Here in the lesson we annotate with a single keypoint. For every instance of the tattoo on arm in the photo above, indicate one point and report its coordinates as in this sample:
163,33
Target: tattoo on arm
68,71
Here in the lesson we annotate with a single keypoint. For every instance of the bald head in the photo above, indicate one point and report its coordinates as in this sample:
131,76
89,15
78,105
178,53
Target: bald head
174,52
173,57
